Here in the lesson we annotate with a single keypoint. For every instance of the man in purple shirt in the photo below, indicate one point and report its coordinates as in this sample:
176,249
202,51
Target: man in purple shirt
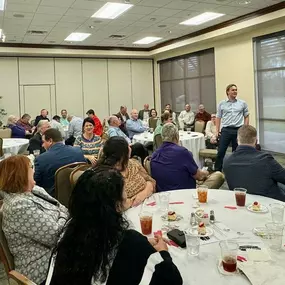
173,166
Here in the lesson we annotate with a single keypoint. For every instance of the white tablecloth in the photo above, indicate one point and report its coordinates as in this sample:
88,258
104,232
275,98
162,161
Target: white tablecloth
193,142
15,146
203,269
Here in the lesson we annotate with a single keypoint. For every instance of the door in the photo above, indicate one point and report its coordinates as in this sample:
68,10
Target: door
36,98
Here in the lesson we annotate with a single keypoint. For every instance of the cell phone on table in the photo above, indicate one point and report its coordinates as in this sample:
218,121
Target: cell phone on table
178,237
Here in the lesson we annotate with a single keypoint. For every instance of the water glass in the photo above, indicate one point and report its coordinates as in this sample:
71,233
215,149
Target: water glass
229,251
145,134
240,194
277,213
275,235
151,130
36,152
192,244
188,131
164,201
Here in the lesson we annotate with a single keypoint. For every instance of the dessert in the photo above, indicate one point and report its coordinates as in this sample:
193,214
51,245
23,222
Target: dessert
256,206
172,216
202,229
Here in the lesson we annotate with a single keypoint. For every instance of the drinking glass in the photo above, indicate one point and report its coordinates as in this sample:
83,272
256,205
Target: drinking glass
188,131
145,134
146,222
192,244
151,130
164,201
275,235
277,212
202,192
229,250
36,152
240,194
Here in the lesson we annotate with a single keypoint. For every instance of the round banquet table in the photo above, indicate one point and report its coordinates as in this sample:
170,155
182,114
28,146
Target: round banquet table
194,142
15,146
203,268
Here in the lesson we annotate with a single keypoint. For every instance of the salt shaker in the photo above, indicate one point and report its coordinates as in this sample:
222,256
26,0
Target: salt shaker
212,217
193,220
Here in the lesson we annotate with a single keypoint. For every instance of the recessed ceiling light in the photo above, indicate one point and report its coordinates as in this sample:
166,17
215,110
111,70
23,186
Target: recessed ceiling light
91,27
162,26
244,2
112,10
77,37
2,5
202,18
147,40
19,16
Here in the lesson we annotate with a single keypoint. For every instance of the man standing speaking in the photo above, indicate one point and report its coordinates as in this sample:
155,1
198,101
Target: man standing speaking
231,115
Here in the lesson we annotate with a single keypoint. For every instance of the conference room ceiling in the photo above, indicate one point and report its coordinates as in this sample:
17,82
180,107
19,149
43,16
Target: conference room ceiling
49,22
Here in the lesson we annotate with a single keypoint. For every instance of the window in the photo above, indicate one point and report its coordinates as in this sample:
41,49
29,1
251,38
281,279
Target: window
189,79
270,86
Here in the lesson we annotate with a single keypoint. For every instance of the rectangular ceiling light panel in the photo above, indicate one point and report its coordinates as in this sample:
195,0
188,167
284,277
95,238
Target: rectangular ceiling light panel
77,37
202,18
147,40
112,10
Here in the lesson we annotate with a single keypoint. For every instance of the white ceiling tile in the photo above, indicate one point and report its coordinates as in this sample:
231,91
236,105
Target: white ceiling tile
143,10
21,7
180,4
10,15
204,7
152,19
73,19
80,13
51,10
87,5
156,3
226,10
20,22
243,11
29,2
40,28
43,22
57,3
69,25
165,12
218,2
130,17
45,17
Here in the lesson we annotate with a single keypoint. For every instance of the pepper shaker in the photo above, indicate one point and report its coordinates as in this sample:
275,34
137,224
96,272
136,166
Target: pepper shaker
193,220
212,217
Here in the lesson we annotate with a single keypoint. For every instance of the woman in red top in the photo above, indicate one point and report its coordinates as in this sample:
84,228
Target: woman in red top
98,130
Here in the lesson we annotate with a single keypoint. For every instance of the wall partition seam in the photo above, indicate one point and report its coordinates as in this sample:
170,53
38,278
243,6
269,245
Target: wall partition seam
108,87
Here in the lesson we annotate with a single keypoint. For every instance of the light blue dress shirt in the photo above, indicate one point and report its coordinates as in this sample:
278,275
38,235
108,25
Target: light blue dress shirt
134,127
117,132
75,127
232,113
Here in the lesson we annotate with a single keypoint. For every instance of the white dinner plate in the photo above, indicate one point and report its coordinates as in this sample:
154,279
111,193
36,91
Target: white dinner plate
263,209
209,232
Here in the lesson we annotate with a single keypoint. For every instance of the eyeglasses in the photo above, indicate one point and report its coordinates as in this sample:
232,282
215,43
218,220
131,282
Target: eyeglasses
213,117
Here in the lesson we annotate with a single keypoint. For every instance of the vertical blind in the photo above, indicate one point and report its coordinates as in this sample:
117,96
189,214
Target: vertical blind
189,79
270,83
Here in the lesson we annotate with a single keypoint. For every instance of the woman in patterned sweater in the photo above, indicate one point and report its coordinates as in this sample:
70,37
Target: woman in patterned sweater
32,220
89,143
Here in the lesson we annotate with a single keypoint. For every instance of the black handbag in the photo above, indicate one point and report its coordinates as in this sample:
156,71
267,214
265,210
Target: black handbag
178,237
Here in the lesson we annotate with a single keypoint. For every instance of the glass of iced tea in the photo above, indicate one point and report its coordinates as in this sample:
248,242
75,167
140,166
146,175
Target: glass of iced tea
229,250
146,223
240,194
202,192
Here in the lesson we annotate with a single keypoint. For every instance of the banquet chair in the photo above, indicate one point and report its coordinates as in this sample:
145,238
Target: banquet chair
63,187
14,277
146,165
199,126
157,141
76,172
5,133
1,147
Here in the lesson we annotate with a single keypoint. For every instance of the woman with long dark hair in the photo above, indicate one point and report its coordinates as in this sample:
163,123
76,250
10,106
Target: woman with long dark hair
98,248
138,184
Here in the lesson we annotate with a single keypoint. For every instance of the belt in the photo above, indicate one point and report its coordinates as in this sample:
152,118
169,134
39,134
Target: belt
234,128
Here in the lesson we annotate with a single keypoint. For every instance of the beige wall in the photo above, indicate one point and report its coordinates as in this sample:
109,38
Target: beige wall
77,84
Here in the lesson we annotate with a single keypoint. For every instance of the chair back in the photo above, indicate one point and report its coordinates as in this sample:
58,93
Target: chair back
5,133
157,141
146,165
63,187
199,126
76,173
1,147
5,254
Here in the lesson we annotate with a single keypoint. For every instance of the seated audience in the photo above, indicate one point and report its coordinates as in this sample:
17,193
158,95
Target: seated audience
98,246
55,124
186,118
36,142
173,166
98,129
74,129
24,122
257,171
42,116
63,120
138,184
123,116
89,143
168,108
202,115
138,149
144,113
152,121
211,133
165,118
17,131
56,156
32,220
134,125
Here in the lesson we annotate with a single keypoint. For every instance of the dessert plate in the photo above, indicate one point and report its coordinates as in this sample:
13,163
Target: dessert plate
263,209
165,218
209,232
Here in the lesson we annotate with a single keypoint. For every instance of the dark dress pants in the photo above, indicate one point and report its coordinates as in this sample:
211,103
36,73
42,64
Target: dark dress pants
228,135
